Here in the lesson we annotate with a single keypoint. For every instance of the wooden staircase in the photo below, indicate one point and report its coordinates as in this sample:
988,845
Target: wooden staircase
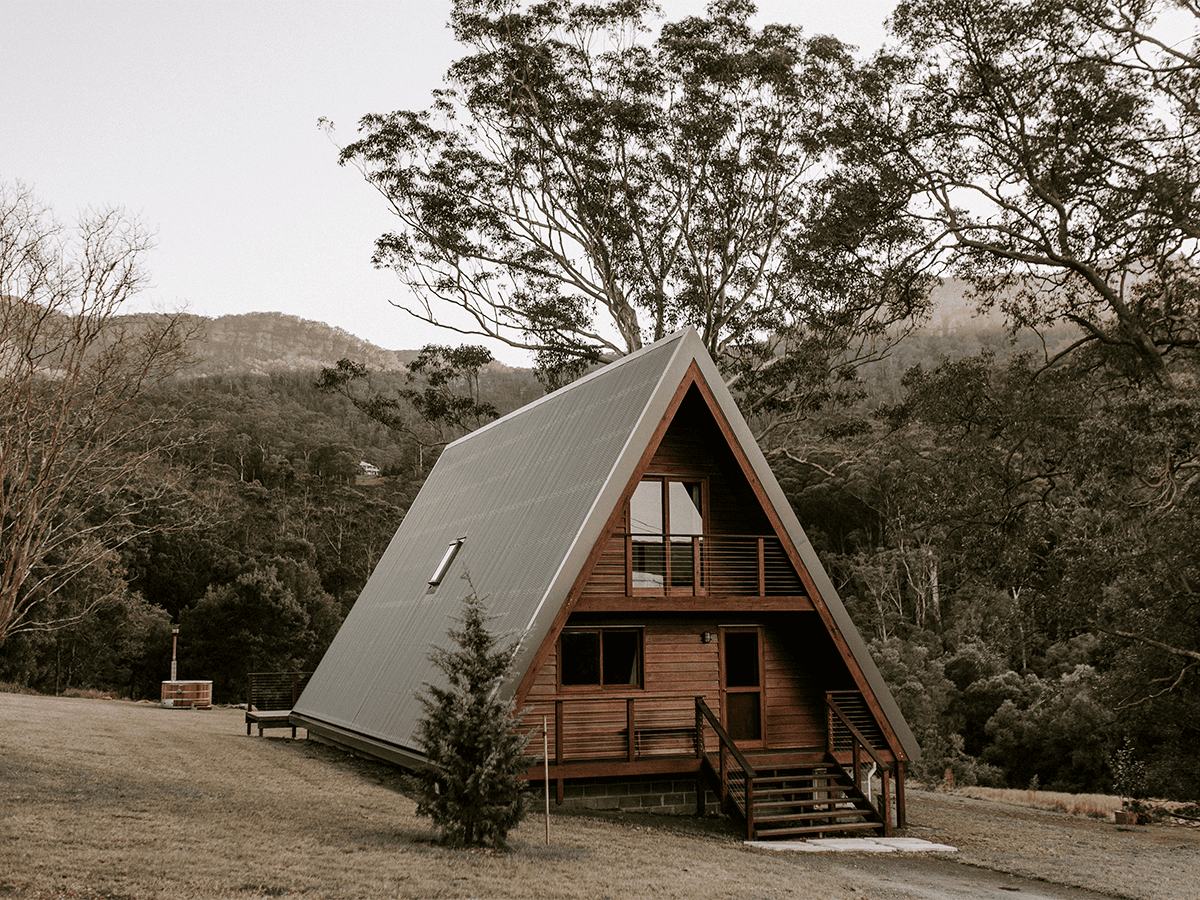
811,796
807,801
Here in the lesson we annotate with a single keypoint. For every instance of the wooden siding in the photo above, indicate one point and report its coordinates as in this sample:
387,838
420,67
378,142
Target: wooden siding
693,447
800,665
795,699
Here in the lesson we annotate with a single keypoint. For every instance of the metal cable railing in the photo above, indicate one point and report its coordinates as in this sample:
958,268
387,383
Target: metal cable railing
722,564
617,726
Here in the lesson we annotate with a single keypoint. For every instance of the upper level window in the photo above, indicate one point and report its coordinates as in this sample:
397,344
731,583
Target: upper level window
667,506
664,513
600,657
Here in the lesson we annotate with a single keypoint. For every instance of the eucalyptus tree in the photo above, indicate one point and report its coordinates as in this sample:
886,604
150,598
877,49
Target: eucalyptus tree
1053,144
591,179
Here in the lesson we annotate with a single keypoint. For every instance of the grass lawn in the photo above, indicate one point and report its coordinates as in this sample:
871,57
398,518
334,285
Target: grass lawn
117,799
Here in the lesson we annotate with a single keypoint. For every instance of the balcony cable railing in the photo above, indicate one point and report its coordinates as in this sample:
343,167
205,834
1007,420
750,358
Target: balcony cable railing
704,564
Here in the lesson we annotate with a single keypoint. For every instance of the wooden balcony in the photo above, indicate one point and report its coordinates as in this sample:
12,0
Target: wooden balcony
713,569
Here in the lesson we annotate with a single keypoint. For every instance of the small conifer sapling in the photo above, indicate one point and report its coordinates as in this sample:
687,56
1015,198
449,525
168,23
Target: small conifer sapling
472,790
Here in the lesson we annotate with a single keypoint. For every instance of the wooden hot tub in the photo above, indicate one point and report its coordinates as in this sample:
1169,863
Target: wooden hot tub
187,694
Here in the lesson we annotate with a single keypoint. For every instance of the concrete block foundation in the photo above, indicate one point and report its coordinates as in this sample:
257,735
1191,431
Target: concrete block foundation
669,796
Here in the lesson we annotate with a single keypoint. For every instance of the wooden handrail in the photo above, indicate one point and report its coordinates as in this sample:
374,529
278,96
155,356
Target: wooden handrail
854,733
726,744
861,741
724,738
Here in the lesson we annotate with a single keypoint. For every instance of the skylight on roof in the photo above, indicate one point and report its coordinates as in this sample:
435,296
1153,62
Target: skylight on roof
444,565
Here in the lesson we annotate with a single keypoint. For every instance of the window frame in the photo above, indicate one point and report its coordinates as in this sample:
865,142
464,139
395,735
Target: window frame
668,539
637,630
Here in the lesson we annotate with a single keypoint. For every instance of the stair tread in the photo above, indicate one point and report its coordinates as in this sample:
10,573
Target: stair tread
818,829
805,801
825,781
814,814
791,804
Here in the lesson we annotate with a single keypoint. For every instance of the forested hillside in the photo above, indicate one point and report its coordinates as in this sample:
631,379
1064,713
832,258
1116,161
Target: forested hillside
1018,544
261,343
265,532
992,527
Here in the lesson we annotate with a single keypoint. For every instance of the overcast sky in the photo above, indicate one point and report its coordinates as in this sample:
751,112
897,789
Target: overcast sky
201,119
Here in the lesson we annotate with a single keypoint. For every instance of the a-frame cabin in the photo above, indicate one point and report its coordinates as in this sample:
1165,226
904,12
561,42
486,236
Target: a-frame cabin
675,626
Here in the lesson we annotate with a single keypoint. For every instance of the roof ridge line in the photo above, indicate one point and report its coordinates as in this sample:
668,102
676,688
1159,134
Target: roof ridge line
620,361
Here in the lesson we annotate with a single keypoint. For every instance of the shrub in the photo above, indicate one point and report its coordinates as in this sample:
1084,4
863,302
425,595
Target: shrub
472,789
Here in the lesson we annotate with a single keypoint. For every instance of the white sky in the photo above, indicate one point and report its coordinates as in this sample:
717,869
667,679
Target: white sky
200,118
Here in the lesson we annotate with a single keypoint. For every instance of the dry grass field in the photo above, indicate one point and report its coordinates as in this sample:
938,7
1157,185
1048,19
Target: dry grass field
121,800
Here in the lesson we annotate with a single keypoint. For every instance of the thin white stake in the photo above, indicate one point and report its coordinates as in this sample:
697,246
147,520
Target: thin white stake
546,780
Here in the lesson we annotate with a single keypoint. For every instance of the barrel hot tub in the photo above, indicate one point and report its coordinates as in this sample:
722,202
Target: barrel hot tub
187,694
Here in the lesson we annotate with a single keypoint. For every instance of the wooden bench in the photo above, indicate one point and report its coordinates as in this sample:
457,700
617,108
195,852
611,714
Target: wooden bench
270,698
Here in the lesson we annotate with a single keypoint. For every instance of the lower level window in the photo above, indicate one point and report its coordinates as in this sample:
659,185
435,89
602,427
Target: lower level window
601,657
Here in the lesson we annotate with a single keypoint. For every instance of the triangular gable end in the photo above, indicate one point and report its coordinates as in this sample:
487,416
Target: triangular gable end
752,466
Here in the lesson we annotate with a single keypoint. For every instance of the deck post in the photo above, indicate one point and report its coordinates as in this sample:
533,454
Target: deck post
696,587
724,774
762,569
749,806
630,733
558,751
829,728
628,565
901,812
701,787
858,766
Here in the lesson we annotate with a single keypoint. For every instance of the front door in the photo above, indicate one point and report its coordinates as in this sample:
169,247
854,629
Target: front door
741,664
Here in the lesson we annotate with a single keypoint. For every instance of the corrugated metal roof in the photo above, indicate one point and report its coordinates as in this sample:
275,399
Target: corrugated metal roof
530,493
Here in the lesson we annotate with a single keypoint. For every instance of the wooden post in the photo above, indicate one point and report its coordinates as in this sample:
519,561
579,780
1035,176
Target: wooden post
749,806
546,770
762,570
724,773
701,788
696,586
901,812
629,565
558,750
828,728
631,734
857,765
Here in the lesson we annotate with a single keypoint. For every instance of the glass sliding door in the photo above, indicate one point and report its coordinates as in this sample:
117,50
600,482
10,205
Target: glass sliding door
647,526
666,524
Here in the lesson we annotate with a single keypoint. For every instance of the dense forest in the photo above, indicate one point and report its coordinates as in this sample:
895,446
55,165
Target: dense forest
994,529
265,533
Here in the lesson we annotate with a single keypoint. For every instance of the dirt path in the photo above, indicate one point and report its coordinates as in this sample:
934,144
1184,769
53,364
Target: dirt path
133,802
